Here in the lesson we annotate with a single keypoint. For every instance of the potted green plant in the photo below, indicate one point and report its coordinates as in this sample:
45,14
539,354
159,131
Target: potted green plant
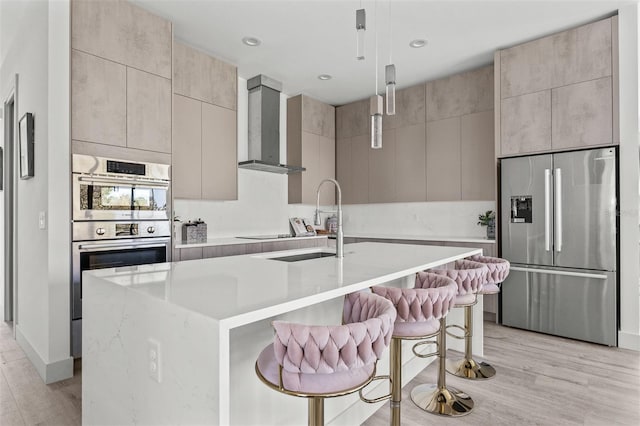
488,219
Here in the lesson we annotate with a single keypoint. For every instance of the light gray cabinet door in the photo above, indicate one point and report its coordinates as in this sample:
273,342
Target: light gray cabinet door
219,153
124,33
382,170
478,170
460,94
98,100
353,119
203,77
317,117
148,111
311,161
193,253
443,160
410,108
581,114
526,123
526,68
186,159
360,148
411,163
344,169
326,169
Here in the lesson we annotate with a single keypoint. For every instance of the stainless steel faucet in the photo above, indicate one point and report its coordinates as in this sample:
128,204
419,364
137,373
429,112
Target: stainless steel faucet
316,219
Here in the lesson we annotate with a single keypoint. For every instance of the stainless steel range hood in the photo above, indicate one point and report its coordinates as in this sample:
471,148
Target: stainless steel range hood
264,127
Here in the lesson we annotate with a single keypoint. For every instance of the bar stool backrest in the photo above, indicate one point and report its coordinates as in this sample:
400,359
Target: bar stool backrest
469,275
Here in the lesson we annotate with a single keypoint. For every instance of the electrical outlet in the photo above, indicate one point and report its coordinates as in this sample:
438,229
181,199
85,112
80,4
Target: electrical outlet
42,220
154,360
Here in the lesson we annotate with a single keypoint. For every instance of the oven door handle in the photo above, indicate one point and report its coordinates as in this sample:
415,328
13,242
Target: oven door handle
86,247
145,184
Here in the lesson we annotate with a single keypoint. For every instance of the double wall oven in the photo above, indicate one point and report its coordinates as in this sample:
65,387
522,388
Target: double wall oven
120,218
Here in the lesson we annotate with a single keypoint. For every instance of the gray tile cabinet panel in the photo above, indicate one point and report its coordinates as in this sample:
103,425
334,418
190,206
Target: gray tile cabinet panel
294,147
352,119
326,170
360,147
477,156
344,169
488,249
443,160
98,100
410,163
203,77
254,248
460,94
148,111
219,153
526,68
124,33
317,117
311,161
186,142
111,151
193,253
275,246
410,108
382,173
581,114
233,250
526,123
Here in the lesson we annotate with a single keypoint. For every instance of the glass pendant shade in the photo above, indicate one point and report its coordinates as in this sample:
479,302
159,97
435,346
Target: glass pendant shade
375,109
361,26
390,79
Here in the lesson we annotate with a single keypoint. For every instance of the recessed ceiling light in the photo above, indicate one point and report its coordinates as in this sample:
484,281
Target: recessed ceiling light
418,43
324,77
251,41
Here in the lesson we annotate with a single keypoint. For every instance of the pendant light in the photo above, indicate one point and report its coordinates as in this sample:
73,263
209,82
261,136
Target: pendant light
375,102
390,74
361,27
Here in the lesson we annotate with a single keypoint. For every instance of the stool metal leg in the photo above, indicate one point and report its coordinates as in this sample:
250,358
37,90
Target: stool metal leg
438,399
467,367
316,411
396,380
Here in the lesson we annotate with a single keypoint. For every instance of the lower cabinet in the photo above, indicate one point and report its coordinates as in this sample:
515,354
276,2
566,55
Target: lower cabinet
238,249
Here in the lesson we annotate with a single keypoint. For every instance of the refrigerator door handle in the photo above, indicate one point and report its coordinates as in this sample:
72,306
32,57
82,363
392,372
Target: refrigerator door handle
558,210
547,209
554,272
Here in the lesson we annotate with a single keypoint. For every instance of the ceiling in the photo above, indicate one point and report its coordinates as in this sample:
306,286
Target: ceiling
302,39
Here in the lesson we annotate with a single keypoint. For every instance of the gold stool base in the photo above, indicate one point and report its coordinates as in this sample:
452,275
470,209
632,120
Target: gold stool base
470,369
442,401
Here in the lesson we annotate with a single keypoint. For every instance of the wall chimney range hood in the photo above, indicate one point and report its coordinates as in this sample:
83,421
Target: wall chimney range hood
264,127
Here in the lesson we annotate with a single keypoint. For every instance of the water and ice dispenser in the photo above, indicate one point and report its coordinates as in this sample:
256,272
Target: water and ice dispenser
521,207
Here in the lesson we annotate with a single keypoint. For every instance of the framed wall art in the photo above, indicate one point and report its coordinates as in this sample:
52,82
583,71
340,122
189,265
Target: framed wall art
26,146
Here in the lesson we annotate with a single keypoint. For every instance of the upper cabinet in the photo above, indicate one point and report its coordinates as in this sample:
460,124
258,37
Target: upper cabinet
120,77
203,77
311,144
557,92
124,33
204,140
439,146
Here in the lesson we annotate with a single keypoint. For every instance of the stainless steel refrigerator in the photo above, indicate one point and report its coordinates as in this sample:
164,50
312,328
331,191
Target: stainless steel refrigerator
558,230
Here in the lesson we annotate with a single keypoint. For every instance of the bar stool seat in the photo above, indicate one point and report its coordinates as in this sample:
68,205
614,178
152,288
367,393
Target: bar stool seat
317,362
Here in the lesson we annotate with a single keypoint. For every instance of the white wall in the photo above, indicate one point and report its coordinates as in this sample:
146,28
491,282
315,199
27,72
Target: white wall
42,312
629,39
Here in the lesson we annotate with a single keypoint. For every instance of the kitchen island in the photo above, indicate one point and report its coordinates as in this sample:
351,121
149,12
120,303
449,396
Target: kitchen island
176,343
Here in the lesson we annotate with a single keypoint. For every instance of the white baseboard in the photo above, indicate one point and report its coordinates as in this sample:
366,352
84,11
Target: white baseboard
628,341
51,372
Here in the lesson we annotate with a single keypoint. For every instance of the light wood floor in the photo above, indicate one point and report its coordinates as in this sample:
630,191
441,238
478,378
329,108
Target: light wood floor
541,380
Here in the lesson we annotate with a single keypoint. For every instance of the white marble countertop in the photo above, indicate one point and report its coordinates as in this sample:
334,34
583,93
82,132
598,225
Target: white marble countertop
418,237
239,240
239,290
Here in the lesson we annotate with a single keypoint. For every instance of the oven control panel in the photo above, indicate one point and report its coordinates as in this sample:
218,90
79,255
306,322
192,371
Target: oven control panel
86,231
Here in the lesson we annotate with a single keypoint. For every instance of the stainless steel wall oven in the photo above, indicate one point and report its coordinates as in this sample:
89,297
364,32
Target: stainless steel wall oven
120,218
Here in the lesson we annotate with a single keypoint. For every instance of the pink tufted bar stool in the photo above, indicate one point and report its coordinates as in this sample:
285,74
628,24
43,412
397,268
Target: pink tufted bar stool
440,399
318,362
420,311
471,277
498,270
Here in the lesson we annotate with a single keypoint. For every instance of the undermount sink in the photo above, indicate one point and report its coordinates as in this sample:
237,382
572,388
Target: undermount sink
304,256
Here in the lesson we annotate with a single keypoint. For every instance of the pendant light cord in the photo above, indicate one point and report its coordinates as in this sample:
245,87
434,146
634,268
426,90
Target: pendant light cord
390,36
375,11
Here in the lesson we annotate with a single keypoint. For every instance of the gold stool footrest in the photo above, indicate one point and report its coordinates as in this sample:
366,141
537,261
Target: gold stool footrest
442,401
423,343
455,336
380,398
470,369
